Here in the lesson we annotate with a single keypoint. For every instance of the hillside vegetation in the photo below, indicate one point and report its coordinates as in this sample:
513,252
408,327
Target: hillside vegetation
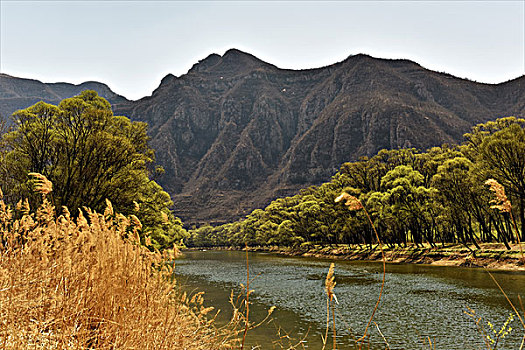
90,155
438,196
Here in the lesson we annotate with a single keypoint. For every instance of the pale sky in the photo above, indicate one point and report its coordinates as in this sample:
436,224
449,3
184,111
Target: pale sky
132,45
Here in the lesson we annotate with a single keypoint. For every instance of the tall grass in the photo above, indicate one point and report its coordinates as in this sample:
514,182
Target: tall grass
87,283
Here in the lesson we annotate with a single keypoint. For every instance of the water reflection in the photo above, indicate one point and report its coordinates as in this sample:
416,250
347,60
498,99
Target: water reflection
418,302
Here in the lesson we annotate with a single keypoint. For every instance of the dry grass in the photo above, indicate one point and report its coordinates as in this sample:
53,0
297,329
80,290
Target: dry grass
86,283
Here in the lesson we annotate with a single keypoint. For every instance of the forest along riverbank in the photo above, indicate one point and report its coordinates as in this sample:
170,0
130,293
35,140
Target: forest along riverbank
490,255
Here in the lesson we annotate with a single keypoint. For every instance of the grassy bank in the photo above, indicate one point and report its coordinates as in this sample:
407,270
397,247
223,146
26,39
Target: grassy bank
491,255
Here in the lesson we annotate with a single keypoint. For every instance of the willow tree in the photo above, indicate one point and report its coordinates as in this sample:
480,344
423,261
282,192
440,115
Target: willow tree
498,148
90,155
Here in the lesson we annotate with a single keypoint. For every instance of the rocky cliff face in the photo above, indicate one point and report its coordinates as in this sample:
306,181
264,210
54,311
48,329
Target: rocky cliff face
236,132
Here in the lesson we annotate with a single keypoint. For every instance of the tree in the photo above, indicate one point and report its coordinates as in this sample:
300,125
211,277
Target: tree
410,201
462,196
90,155
498,148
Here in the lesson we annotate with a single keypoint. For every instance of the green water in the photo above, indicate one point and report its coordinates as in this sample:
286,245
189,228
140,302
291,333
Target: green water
419,302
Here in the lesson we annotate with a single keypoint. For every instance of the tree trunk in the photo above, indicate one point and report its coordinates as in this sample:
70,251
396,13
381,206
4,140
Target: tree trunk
471,232
501,235
522,217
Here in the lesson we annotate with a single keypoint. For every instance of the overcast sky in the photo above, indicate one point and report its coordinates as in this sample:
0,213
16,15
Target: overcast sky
131,45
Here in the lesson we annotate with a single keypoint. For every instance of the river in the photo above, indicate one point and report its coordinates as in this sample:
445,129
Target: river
420,303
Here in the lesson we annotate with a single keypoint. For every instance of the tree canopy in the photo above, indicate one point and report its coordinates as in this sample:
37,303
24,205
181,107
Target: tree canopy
90,155
437,196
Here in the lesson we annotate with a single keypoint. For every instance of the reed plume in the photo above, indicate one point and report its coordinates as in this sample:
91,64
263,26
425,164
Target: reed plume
42,184
501,202
83,283
330,282
350,201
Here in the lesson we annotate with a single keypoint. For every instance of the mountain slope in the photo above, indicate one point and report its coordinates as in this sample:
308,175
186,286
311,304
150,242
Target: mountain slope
18,93
236,132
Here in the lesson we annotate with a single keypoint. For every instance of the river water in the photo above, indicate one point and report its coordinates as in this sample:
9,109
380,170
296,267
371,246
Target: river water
420,304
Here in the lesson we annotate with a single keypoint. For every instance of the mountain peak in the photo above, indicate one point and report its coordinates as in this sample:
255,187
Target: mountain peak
367,58
233,52
240,57
168,78
233,60
206,63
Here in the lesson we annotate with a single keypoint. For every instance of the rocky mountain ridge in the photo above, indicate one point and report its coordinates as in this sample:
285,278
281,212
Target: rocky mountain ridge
236,132
17,93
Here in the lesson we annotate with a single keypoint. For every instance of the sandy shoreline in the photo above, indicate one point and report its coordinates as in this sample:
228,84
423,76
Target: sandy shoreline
492,256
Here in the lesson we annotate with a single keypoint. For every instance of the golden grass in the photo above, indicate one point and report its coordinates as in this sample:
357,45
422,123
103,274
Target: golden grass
87,283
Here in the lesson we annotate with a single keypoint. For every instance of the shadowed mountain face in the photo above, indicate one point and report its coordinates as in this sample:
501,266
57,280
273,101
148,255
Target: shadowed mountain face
236,132
18,93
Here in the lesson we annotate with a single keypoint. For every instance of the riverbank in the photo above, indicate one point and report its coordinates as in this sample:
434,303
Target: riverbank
491,255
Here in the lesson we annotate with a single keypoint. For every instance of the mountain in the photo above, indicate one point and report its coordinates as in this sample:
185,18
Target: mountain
236,132
18,93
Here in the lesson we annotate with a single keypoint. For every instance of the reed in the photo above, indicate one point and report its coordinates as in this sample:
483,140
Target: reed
353,203
503,204
87,283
